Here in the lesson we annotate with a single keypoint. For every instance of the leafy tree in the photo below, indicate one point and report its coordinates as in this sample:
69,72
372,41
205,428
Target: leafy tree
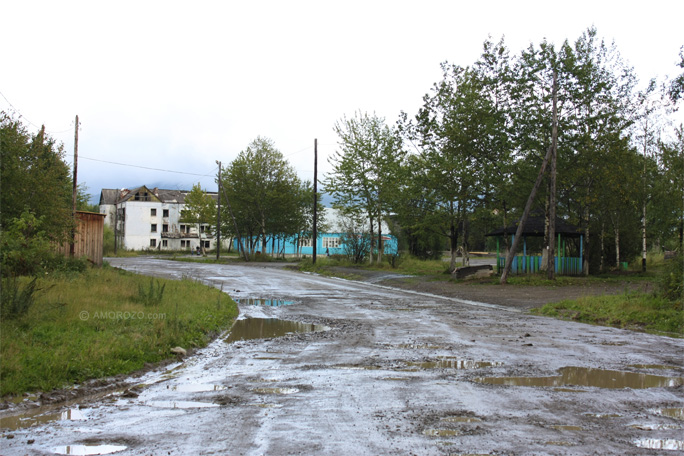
676,89
200,209
267,198
365,170
35,178
671,186
460,137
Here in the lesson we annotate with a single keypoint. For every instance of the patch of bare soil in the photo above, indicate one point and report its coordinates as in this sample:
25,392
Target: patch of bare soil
520,296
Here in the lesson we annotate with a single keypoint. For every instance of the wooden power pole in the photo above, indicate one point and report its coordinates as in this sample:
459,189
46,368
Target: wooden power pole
551,265
218,215
74,193
315,202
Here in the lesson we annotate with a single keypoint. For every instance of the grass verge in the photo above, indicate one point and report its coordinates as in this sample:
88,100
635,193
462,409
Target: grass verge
101,323
639,311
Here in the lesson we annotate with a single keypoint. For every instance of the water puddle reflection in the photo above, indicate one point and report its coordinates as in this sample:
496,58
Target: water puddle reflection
452,363
196,388
564,427
39,417
461,419
264,302
657,427
672,412
181,404
88,449
440,432
660,444
275,390
266,328
598,378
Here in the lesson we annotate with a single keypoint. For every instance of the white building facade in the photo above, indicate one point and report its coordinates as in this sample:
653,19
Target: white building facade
149,219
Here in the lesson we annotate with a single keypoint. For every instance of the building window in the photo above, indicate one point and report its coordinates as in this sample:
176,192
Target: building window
165,243
183,228
153,242
305,242
207,244
165,228
331,242
165,213
153,228
153,212
183,243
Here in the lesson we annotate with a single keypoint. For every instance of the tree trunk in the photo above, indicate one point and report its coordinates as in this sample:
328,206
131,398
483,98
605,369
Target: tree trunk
523,219
372,240
602,237
379,241
464,243
585,260
617,246
453,240
545,252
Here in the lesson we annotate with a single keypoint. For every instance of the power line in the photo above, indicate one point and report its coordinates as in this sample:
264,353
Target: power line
31,123
146,167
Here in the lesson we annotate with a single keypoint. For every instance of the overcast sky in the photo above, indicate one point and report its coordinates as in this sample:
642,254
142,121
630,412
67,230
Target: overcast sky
178,85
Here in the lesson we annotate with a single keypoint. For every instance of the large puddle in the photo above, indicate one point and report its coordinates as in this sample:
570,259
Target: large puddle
451,363
39,416
266,328
582,376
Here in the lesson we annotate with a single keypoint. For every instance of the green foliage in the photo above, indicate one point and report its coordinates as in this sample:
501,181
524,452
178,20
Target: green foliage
93,325
637,311
24,246
152,295
16,299
262,198
671,281
35,178
25,250
366,171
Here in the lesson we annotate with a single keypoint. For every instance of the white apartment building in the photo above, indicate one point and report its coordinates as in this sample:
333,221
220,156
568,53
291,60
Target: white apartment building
145,219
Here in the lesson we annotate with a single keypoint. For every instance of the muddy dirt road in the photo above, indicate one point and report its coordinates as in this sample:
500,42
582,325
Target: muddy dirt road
374,370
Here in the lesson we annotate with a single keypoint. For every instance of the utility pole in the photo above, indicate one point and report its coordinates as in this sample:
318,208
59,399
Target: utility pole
315,203
218,215
551,265
74,192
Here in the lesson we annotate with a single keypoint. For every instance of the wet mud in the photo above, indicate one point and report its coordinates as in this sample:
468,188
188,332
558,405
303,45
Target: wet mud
366,369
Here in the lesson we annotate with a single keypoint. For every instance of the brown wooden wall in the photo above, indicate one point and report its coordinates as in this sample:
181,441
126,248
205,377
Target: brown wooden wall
88,241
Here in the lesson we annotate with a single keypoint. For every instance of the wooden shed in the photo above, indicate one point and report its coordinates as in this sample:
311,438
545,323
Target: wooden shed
88,240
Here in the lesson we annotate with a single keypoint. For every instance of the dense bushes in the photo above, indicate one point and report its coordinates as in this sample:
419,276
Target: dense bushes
671,283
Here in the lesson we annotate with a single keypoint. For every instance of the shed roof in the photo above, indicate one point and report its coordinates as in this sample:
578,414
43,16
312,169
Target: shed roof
535,227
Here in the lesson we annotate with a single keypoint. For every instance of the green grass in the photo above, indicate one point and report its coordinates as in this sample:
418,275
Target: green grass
639,311
95,324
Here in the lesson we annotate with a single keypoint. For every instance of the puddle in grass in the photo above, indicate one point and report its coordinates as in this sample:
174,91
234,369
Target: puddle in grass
264,302
660,444
39,417
451,363
88,449
598,378
266,328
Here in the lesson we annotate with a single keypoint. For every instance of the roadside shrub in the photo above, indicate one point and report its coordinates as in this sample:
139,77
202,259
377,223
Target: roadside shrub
671,282
15,299
24,246
153,295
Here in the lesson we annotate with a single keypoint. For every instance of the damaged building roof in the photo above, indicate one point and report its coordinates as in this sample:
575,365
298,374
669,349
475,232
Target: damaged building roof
143,193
